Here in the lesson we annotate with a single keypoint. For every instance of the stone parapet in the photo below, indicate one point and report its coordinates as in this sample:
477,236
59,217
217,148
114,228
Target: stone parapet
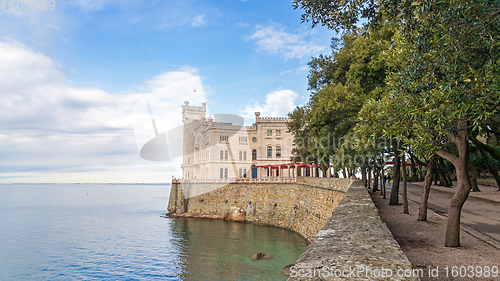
354,244
337,216
328,183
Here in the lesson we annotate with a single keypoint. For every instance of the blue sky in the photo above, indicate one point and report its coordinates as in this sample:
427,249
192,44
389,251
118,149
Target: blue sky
72,80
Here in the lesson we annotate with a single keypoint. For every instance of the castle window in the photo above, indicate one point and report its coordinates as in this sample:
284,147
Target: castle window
221,155
240,173
221,173
189,160
227,155
278,133
254,154
241,155
269,151
278,151
244,156
245,173
269,133
243,139
225,173
223,138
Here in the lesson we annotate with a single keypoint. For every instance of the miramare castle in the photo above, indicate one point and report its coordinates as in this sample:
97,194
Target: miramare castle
223,151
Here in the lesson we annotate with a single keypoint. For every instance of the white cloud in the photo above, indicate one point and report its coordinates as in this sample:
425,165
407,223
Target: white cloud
241,25
278,104
51,131
296,71
274,39
198,20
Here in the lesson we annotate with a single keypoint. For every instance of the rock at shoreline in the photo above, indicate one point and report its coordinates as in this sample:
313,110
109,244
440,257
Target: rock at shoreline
260,256
186,215
236,214
287,270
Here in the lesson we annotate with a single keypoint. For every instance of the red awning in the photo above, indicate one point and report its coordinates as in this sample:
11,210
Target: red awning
288,165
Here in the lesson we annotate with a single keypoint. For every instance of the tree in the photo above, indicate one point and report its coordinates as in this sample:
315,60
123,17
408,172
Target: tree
443,72
340,85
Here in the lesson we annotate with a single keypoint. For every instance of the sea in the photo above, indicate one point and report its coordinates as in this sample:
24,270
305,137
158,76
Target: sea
117,232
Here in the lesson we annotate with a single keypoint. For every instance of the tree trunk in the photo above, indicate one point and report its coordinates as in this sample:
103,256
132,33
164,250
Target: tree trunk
394,200
344,172
363,175
383,187
474,174
463,183
443,181
405,190
375,179
420,178
424,199
492,169
413,169
420,164
436,175
369,178
445,173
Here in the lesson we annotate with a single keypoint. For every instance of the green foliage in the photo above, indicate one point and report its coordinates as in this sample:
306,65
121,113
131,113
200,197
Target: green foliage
336,15
418,71
341,83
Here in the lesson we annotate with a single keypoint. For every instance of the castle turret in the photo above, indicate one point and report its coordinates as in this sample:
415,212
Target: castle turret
191,115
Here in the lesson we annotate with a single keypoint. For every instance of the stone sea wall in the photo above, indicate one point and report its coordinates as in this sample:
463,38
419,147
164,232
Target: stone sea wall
348,240
302,207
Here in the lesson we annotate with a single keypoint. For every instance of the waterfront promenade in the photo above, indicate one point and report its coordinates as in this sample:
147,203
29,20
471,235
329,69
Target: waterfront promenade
423,242
481,211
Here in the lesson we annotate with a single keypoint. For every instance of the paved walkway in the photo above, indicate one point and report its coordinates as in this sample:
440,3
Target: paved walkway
480,215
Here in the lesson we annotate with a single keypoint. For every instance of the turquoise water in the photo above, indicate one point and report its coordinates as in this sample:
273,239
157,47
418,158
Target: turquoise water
58,232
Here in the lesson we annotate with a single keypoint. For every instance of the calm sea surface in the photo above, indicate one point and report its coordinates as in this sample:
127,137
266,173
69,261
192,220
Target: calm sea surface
58,232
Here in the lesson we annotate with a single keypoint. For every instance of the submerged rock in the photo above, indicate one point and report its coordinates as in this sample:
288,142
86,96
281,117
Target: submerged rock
260,256
287,269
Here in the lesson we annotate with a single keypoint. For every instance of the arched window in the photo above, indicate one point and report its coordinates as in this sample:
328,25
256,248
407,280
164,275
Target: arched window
254,154
269,151
278,151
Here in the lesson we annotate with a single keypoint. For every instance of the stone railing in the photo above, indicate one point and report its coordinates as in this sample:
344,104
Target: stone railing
337,216
328,183
354,244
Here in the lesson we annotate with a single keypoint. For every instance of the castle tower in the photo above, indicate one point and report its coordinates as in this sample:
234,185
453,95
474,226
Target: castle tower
191,117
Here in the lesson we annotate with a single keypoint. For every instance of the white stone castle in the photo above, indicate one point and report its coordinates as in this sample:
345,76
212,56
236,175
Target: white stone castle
225,151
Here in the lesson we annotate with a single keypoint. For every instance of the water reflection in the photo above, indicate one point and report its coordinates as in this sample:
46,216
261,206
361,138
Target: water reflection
220,250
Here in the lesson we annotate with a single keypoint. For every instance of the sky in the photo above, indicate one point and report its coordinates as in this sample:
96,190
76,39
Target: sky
74,81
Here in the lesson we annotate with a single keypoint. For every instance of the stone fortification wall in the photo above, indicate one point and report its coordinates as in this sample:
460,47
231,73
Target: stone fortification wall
301,207
348,239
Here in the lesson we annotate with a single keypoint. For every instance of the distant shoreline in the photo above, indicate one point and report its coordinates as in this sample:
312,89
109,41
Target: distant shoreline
91,183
